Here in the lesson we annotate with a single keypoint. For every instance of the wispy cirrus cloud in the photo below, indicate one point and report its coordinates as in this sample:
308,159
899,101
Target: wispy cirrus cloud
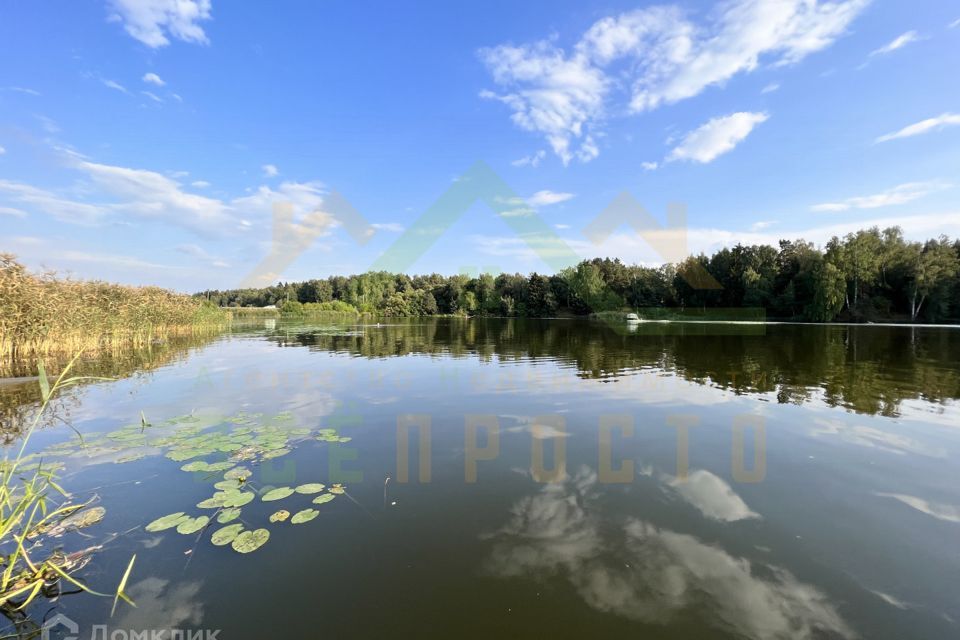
270,170
202,255
937,123
717,137
154,79
113,84
521,207
660,54
547,197
900,194
897,43
24,90
533,160
154,22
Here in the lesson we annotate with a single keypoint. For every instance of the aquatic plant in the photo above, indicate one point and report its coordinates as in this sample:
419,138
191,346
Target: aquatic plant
215,449
34,508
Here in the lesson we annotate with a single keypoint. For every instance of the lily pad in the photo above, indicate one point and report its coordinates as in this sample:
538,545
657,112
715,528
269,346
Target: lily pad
327,497
304,516
196,465
337,489
214,502
192,525
226,535
280,516
166,522
228,515
277,494
250,540
237,473
238,498
310,487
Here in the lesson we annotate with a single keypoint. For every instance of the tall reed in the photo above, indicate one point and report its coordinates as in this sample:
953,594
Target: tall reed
43,314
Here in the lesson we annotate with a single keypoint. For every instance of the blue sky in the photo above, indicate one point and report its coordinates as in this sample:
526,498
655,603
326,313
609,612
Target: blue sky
149,141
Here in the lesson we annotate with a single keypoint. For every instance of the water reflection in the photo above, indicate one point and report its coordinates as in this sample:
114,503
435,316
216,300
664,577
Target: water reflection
649,574
711,496
162,605
19,396
866,369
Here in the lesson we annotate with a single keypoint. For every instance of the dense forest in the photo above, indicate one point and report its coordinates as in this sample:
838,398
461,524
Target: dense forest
867,275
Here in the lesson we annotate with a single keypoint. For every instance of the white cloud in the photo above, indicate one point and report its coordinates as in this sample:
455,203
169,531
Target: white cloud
63,209
202,255
152,21
546,197
394,227
25,90
924,126
897,43
770,88
270,170
149,194
152,78
116,86
126,262
549,94
660,55
901,194
533,160
954,24
2,151
760,225
561,226
716,137
10,211
649,166
152,96
200,184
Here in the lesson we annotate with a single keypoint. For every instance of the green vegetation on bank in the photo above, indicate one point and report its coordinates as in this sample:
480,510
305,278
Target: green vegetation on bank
43,314
867,275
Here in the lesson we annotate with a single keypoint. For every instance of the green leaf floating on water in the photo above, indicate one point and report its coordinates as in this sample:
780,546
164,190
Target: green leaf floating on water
227,515
237,473
280,516
277,494
220,466
250,540
304,516
196,465
327,497
337,489
234,498
310,487
226,535
214,502
192,525
167,522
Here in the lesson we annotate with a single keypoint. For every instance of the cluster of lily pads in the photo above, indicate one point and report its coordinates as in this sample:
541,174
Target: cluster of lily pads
217,449
232,494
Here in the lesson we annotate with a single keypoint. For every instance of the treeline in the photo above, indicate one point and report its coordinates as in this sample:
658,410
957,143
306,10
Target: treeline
870,274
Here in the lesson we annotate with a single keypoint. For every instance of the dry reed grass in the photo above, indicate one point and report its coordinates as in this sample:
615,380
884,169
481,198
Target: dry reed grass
42,314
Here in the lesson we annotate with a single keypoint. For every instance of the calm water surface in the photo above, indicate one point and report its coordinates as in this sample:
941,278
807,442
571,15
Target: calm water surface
677,481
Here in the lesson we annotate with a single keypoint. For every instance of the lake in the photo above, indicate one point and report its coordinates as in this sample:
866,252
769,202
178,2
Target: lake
522,478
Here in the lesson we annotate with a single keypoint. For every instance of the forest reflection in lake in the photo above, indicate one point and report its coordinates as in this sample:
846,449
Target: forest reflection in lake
552,477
